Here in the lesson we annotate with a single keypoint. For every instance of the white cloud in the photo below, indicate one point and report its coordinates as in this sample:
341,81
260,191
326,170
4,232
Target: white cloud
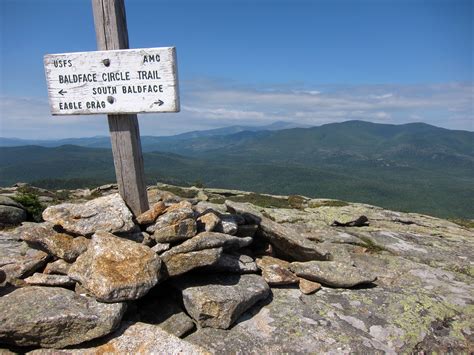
211,103
380,97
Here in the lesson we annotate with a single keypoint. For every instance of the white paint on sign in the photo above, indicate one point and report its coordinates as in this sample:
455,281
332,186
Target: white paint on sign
113,82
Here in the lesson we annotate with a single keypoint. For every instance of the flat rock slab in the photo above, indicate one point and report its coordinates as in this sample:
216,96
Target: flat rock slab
61,245
134,338
17,259
179,263
217,300
332,273
414,308
54,317
114,269
49,280
208,240
108,213
287,241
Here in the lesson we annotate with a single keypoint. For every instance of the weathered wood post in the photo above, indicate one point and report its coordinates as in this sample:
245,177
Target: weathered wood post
111,33
119,82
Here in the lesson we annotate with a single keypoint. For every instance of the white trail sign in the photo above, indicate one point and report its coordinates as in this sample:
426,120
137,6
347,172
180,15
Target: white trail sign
113,82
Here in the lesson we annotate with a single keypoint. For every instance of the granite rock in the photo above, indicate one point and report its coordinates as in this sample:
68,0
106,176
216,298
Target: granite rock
61,245
150,216
54,317
182,230
218,300
275,275
287,242
58,267
108,213
175,264
172,216
133,338
207,240
332,273
308,287
18,259
38,279
115,269
207,222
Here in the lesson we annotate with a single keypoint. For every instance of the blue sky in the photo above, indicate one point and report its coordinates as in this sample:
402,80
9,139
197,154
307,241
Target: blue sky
255,62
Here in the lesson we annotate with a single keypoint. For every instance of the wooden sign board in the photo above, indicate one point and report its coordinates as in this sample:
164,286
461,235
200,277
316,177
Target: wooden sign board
113,82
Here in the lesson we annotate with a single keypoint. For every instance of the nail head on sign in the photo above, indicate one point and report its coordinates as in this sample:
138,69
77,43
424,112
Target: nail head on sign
106,62
110,99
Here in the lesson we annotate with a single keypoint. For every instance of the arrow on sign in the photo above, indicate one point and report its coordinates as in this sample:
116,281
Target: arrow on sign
62,92
159,102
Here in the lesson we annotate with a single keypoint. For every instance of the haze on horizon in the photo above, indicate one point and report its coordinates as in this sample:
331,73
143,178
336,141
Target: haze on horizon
256,62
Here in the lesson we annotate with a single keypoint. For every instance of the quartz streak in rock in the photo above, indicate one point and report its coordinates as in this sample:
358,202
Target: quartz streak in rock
115,269
332,273
218,300
54,317
108,213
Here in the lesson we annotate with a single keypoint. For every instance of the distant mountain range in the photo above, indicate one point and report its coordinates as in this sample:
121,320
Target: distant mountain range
148,142
412,167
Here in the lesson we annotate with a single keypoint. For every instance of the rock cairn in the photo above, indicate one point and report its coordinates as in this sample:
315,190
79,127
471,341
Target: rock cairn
179,265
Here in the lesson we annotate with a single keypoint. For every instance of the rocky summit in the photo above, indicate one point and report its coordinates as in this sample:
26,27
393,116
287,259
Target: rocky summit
224,271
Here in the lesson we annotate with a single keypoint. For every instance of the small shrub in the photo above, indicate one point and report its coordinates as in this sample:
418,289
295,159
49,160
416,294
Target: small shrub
262,200
199,184
178,191
32,205
466,223
63,195
329,203
296,201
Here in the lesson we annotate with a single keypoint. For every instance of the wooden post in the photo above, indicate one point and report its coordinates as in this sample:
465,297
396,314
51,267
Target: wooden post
111,32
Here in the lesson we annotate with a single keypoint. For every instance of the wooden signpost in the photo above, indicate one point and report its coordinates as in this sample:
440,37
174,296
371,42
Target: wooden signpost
119,82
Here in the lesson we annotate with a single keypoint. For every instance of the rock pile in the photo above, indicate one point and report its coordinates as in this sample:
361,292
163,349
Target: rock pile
89,259
95,275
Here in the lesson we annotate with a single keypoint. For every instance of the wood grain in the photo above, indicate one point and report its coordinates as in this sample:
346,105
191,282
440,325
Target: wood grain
111,33
131,82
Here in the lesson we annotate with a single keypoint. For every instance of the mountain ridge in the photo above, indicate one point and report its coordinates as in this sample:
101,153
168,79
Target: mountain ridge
414,167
